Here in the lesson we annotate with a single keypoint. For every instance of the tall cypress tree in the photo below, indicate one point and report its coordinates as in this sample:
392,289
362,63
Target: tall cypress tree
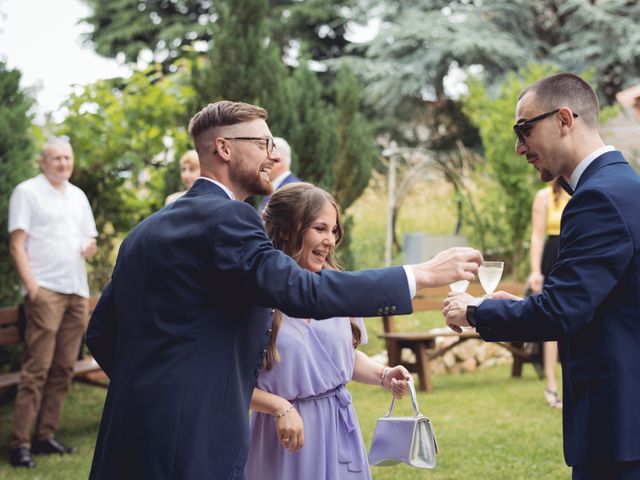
357,153
243,64
16,155
357,150
313,133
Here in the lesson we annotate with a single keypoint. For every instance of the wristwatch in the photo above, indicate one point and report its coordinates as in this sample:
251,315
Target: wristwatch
471,311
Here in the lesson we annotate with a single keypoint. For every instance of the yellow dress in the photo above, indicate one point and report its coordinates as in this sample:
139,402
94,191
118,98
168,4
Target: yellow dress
554,210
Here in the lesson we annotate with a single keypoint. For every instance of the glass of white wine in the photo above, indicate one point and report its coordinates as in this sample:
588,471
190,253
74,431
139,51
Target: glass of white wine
460,286
489,274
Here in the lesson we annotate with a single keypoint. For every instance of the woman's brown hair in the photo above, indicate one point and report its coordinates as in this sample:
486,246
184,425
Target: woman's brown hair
556,188
290,212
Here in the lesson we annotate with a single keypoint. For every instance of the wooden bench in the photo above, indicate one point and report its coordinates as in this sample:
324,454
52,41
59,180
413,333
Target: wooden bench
85,370
423,344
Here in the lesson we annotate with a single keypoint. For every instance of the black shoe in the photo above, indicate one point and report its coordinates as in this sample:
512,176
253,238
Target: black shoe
21,457
52,445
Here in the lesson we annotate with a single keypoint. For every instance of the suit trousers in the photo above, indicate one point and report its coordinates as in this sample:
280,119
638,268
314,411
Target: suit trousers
56,323
608,471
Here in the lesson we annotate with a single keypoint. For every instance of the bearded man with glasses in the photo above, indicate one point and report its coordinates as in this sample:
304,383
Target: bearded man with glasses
589,303
182,327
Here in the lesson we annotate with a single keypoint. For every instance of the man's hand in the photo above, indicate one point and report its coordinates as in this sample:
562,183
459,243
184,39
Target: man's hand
457,263
455,310
502,295
32,291
89,248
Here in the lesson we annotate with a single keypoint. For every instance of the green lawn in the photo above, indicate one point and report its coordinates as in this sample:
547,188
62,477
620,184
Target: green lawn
488,426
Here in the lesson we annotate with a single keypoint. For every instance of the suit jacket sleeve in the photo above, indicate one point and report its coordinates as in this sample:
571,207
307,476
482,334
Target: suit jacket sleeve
595,249
272,279
102,333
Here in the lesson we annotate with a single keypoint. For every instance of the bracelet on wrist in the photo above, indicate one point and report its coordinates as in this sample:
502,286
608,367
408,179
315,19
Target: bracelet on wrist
282,413
383,376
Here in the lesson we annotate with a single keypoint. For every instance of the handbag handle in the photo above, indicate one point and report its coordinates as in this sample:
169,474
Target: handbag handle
414,400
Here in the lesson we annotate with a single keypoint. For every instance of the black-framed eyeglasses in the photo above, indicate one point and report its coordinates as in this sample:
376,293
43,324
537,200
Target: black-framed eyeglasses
267,142
523,129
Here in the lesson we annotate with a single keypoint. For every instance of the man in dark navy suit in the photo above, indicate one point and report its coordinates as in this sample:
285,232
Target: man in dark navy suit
591,301
182,327
280,173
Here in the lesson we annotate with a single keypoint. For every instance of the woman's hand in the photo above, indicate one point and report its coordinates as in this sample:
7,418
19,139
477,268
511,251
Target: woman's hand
534,282
290,430
395,380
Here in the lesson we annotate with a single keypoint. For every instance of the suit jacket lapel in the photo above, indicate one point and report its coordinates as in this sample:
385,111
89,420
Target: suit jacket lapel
603,160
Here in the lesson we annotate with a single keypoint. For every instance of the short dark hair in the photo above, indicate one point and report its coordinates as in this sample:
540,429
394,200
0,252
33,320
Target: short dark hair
566,90
224,113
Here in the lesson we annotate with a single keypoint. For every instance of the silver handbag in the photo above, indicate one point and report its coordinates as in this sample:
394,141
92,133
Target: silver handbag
409,440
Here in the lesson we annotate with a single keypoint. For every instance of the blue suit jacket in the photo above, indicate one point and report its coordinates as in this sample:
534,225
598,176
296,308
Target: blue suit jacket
182,327
291,178
591,304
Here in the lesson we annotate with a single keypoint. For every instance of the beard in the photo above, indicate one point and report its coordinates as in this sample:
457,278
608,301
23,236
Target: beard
250,180
546,175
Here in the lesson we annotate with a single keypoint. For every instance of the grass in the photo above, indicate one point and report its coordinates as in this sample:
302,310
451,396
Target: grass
78,427
488,426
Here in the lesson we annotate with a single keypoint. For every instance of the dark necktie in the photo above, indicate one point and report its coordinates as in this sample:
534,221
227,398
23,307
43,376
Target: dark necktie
565,186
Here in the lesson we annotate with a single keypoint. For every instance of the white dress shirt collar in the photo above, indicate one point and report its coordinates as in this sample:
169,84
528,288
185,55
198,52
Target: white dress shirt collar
582,166
226,190
279,179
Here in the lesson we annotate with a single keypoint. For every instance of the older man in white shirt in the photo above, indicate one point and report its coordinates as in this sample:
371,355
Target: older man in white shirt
52,233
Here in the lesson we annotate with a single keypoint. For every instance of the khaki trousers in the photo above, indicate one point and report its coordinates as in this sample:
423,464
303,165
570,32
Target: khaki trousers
55,325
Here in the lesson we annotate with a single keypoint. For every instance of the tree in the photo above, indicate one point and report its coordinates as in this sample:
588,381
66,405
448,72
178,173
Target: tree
312,135
501,219
16,164
123,134
167,29
356,154
357,151
422,42
243,64
163,28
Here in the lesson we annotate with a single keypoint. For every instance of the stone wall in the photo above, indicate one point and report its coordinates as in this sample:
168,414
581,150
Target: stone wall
470,355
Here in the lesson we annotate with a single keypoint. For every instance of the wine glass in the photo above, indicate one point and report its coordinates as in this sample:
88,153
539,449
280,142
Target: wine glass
460,286
489,274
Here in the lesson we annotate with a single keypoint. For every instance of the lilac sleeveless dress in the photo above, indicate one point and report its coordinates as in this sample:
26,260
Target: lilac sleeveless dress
316,361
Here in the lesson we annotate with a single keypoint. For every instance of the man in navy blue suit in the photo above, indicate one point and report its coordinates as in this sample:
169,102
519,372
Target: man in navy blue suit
182,327
590,302
280,174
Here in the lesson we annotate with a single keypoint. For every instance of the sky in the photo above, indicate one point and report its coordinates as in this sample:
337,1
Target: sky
42,39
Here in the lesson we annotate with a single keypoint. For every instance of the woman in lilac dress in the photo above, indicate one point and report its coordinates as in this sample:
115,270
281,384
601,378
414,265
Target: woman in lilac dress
300,398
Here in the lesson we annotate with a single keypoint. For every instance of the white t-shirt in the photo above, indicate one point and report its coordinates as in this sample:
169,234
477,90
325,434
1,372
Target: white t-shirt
57,224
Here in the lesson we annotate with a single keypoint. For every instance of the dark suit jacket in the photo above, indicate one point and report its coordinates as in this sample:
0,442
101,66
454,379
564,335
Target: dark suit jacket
591,304
181,330
291,178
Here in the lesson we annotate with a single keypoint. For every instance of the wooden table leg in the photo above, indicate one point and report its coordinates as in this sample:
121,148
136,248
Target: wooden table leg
516,368
422,365
393,352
